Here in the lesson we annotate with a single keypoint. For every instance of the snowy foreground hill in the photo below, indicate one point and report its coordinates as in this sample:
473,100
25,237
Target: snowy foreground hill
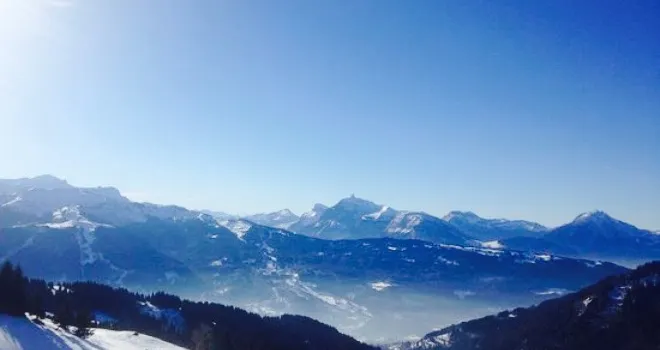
22,333
66,314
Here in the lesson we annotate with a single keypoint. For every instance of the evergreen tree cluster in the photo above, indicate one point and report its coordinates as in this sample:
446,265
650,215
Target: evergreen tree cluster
19,295
194,325
13,294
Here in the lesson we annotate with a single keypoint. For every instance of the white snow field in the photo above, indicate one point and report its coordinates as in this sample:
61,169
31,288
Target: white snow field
21,333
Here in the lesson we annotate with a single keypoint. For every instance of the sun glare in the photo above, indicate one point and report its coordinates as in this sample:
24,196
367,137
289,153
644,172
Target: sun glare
19,18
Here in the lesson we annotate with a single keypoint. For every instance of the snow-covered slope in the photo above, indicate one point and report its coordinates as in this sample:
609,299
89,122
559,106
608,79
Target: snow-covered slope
21,333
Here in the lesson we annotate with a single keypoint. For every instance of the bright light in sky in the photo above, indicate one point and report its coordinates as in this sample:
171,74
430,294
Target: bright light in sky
538,112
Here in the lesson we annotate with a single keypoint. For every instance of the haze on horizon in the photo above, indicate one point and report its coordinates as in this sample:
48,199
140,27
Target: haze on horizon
538,111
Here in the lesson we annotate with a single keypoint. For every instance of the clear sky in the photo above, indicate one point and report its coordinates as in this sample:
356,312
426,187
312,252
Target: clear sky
537,110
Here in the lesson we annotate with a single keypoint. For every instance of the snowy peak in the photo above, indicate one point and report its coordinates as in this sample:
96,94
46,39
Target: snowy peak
472,218
355,204
596,216
318,207
462,215
280,219
35,200
316,211
43,182
357,218
598,234
47,182
285,212
419,225
492,229
309,219
218,215
602,222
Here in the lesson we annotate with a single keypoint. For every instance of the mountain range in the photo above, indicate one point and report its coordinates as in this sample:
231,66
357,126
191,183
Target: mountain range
592,235
365,268
355,218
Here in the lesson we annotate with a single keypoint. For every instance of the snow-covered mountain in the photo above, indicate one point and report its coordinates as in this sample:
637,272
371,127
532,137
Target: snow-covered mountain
20,333
309,219
598,233
356,218
281,219
595,235
493,229
35,200
596,224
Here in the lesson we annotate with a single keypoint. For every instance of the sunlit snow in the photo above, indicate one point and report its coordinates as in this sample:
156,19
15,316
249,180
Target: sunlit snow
20,333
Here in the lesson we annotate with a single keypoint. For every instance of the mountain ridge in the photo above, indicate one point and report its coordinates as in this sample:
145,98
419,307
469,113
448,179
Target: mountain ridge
618,312
595,235
493,229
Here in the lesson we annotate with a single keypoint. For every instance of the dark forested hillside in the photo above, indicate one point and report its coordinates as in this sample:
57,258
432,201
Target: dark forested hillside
195,325
620,312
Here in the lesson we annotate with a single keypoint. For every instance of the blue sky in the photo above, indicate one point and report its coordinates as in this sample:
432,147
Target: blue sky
523,109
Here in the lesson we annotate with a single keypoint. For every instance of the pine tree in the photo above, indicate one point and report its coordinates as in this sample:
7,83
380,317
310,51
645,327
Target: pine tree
202,337
36,306
19,293
65,316
6,273
13,297
83,321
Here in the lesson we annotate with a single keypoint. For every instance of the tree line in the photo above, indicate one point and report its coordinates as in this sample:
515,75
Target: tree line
195,325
